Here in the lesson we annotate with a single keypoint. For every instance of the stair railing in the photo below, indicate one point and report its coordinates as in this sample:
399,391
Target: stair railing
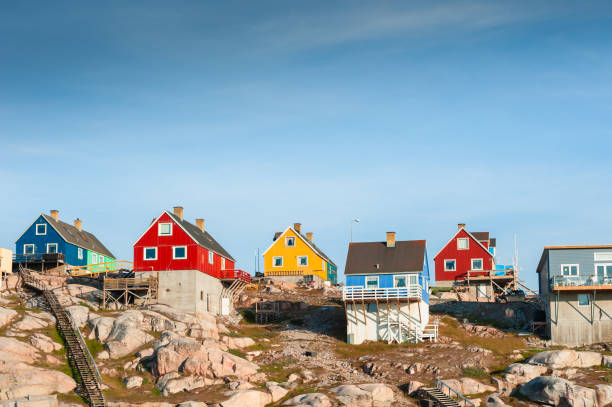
90,358
443,386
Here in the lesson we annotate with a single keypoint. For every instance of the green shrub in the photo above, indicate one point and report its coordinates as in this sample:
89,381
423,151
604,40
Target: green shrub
476,372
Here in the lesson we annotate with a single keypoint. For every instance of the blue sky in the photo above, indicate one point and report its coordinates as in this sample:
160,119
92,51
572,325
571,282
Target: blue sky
254,115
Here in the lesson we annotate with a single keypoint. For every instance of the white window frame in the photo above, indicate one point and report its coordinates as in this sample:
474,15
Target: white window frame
41,224
174,252
367,287
211,257
94,258
274,261
588,304
299,264
25,248
605,266
447,269
80,253
467,241
481,265
222,263
406,281
159,229
287,238
52,244
570,270
602,256
144,253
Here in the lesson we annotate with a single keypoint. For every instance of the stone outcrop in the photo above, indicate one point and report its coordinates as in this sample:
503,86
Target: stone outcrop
20,380
520,373
79,314
561,359
250,398
237,343
364,395
175,383
44,343
276,391
13,351
127,335
200,325
133,382
7,315
101,328
467,386
494,401
310,400
558,392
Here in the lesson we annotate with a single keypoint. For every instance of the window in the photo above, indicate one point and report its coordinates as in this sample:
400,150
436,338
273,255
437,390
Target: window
150,253
603,256
164,229
277,261
290,241
211,257
476,264
463,244
604,270
51,247
94,258
372,308
41,229
570,270
371,282
302,261
222,263
80,253
413,279
583,300
28,249
179,252
450,265
399,281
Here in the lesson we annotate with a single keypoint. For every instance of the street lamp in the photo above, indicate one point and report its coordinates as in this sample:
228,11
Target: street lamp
356,220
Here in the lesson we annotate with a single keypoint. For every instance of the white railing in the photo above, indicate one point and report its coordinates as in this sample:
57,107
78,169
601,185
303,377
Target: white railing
581,281
430,332
360,293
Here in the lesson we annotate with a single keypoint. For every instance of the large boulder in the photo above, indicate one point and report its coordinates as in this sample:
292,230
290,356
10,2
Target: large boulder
604,394
382,395
133,382
44,343
494,401
558,392
157,322
250,398
200,325
276,391
310,399
561,359
127,335
174,383
467,386
351,395
101,328
79,313
13,351
237,343
520,373
29,323
21,380
6,315
200,359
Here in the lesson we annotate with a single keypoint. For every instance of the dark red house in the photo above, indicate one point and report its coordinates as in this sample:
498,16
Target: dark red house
465,251
172,243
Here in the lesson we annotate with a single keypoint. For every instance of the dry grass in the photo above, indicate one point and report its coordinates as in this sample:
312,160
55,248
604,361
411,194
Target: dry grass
368,348
500,346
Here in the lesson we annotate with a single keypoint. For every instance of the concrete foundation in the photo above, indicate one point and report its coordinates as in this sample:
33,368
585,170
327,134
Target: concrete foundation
367,322
296,279
571,324
189,291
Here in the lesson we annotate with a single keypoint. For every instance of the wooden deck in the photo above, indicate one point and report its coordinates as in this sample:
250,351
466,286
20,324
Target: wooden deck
574,288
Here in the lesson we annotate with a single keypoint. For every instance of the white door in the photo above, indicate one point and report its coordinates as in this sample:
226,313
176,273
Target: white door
481,291
225,306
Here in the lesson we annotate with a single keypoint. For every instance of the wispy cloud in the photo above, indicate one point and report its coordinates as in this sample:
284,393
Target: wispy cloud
358,24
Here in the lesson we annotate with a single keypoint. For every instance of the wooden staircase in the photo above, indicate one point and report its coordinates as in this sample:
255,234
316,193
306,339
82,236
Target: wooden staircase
81,361
439,397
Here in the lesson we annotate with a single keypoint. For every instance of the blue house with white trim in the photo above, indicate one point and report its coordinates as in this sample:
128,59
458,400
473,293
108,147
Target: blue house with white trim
387,291
50,239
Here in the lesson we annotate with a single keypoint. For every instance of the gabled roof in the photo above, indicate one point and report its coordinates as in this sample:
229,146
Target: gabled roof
203,239
470,235
305,239
406,256
81,238
481,236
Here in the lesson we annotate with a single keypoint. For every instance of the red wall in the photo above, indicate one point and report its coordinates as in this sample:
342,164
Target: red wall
197,256
463,258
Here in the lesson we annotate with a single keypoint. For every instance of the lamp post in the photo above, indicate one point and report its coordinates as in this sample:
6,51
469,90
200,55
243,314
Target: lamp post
356,220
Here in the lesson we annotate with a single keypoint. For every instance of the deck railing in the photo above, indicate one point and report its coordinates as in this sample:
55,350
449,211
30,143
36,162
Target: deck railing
27,258
236,275
360,293
107,267
490,273
582,281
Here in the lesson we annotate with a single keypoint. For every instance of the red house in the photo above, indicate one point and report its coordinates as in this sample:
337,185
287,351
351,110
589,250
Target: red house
465,252
196,274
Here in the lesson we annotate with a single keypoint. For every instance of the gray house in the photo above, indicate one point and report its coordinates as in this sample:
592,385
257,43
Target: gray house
576,286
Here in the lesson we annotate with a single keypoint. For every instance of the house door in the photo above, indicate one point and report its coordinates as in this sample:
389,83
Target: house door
225,306
481,291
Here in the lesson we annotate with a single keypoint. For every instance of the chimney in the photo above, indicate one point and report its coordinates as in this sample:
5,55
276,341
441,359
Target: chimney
55,214
200,224
461,226
390,239
297,227
178,211
78,223
309,236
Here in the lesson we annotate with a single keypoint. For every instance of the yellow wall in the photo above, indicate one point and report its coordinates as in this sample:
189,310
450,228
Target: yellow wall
6,260
316,264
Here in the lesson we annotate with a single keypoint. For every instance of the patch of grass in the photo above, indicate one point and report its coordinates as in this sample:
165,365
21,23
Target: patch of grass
279,371
475,372
237,352
296,392
436,290
608,379
248,316
367,348
71,398
156,392
499,346
256,332
88,305
94,346
257,346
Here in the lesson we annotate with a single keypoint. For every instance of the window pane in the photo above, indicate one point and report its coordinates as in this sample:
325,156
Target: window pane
165,228
413,280
179,252
149,253
371,282
400,281
462,243
600,271
450,264
574,270
583,299
609,270
566,270
477,264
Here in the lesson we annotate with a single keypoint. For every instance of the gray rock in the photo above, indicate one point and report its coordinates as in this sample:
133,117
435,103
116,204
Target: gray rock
310,399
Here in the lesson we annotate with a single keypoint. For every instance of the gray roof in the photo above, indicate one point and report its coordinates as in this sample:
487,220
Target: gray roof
481,236
204,239
81,238
362,258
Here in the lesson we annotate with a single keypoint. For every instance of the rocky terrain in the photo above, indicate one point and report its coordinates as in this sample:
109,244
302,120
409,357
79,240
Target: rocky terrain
159,356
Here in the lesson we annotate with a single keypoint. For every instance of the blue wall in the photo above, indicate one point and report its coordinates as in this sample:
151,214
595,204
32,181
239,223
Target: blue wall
40,241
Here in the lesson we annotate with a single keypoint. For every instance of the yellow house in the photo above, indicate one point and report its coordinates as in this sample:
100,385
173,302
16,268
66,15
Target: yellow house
293,255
